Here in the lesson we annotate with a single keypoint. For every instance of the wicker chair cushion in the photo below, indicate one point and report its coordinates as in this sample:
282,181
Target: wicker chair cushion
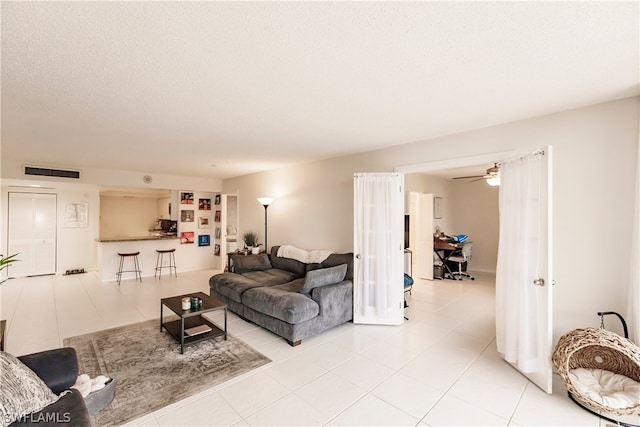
607,388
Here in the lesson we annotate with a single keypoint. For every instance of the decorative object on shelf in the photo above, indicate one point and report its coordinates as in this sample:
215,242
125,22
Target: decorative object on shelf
186,303
265,201
204,240
187,215
186,237
5,261
186,198
204,204
217,199
76,215
217,217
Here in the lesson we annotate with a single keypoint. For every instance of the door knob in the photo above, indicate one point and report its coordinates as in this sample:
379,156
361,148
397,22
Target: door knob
357,256
539,282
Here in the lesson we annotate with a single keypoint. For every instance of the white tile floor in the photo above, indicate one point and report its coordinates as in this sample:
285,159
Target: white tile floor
438,369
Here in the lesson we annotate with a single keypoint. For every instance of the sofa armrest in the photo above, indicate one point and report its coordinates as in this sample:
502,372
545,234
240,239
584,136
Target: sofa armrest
58,368
335,300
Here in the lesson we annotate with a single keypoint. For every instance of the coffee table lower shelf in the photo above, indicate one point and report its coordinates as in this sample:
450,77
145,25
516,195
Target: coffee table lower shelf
176,330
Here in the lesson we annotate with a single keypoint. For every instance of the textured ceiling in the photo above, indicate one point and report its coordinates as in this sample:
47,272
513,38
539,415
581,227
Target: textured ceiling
175,87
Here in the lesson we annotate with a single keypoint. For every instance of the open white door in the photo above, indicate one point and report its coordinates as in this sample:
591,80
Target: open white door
378,285
524,277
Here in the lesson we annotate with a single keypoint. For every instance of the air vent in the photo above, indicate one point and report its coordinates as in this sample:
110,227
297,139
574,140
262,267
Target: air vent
59,173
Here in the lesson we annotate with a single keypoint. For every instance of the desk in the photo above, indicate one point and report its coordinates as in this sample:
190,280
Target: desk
444,250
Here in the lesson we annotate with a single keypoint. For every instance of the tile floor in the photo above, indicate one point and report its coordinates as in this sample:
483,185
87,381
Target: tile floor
438,369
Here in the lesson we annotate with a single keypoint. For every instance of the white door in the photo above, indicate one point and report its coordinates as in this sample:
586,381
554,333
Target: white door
524,277
421,230
32,233
378,285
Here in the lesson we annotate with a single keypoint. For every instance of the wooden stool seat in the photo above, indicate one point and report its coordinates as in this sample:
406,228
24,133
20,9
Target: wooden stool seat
160,261
136,265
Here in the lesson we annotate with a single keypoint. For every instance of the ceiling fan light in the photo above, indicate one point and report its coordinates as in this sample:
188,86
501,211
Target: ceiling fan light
494,181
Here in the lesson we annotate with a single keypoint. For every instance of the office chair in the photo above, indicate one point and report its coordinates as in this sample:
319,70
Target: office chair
460,258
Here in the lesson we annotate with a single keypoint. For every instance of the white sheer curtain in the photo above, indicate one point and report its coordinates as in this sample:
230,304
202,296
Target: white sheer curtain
520,327
633,309
378,233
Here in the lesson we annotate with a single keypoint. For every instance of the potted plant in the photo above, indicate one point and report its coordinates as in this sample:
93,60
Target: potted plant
251,240
5,261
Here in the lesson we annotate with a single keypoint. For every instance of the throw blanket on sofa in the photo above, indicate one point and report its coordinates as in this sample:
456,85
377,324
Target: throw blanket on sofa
309,257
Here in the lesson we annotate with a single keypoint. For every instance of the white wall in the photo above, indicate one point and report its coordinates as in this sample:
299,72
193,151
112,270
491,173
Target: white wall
594,170
475,213
128,216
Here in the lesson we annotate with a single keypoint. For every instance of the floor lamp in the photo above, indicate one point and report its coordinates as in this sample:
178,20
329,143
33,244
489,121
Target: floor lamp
266,201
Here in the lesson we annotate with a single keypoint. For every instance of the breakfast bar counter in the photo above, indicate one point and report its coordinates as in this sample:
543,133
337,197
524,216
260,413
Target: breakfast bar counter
108,258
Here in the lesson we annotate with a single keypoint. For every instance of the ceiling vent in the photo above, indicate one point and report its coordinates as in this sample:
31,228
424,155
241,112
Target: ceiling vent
58,173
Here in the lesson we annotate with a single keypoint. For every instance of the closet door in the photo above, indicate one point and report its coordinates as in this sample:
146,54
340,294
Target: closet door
32,233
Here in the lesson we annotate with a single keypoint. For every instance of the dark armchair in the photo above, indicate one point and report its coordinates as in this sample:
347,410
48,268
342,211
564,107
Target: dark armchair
58,369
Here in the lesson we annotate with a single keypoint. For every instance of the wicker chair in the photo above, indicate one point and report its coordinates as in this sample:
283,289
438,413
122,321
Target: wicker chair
592,348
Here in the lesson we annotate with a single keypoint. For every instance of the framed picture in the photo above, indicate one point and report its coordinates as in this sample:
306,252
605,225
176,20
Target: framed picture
204,204
218,232
186,198
216,249
76,215
437,207
203,222
217,199
186,237
217,217
204,240
187,215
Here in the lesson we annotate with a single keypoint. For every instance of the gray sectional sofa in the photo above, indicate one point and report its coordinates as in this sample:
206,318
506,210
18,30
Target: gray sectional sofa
290,298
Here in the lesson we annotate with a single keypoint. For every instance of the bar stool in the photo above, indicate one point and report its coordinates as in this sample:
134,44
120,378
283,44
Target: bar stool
171,253
136,265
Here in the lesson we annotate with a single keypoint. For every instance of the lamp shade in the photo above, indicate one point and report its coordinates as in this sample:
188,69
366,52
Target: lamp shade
265,201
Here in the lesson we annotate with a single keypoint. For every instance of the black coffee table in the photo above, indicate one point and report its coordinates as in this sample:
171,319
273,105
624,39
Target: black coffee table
192,318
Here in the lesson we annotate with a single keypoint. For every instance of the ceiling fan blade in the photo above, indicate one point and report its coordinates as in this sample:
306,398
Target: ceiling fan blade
466,177
479,179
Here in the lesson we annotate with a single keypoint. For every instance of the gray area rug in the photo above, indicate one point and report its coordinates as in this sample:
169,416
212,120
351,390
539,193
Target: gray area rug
149,370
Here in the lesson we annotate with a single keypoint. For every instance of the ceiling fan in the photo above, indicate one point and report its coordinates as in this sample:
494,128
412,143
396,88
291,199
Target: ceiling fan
492,172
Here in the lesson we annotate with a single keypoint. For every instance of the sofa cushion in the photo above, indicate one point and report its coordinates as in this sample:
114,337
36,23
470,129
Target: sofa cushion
287,264
323,277
245,263
22,391
287,306
273,276
232,285
338,259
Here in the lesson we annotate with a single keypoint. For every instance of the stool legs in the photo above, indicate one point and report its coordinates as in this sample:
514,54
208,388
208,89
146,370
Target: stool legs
136,266
160,263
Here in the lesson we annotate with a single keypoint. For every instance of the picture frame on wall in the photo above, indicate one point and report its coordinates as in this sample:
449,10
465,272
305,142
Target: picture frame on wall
204,222
204,240
217,199
218,233
216,249
186,198
218,216
187,237
76,215
187,215
204,204
437,207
